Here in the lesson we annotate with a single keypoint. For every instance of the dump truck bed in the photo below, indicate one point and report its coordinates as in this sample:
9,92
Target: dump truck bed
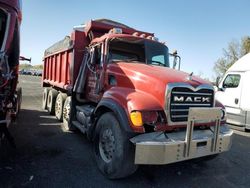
62,61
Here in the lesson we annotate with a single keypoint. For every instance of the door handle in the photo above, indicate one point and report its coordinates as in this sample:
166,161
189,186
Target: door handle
236,100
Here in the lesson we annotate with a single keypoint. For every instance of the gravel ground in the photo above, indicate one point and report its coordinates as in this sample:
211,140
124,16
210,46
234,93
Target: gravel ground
48,156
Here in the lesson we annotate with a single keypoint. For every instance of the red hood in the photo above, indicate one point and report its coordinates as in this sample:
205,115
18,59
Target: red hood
160,74
150,79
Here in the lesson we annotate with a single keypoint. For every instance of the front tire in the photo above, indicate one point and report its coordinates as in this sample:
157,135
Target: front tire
114,153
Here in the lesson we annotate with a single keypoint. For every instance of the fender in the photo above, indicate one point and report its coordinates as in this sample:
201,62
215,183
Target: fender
118,111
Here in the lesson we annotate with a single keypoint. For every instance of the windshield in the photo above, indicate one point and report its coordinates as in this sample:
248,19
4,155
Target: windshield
138,50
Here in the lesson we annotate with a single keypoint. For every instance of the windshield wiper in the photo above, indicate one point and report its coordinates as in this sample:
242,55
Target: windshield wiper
153,62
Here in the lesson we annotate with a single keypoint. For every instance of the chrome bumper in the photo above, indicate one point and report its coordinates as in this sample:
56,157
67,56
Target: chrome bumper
165,148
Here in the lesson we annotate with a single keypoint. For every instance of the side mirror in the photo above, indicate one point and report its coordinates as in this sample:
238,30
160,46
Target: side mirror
92,55
176,60
217,81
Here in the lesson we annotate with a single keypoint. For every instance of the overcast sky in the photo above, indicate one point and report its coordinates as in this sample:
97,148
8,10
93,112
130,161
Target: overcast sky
197,29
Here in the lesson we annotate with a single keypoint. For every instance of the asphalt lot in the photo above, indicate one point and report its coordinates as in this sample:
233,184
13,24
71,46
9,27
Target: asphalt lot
48,156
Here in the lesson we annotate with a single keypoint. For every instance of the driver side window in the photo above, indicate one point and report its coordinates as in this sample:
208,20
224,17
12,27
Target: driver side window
158,59
231,81
95,55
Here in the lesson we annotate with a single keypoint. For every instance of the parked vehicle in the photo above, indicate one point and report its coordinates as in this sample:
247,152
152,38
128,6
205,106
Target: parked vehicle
10,95
38,73
114,84
233,92
25,72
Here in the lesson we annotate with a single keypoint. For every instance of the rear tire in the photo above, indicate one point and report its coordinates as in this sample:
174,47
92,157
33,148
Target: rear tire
45,98
18,101
68,112
114,153
51,101
60,99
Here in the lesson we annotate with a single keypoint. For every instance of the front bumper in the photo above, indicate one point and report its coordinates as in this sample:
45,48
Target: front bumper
165,148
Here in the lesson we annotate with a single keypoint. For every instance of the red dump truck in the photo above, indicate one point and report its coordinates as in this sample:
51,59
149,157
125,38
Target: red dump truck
115,84
10,95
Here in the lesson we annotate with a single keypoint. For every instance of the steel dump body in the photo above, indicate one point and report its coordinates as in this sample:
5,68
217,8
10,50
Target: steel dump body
63,58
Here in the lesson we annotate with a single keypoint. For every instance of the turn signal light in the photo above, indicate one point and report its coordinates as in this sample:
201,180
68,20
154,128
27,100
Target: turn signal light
136,118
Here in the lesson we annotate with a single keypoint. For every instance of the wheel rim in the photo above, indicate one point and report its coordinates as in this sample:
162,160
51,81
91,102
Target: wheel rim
49,100
44,96
107,145
58,106
66,111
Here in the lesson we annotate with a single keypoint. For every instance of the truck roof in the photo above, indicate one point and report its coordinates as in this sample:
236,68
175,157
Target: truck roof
99,27
243,64
111,35
95,31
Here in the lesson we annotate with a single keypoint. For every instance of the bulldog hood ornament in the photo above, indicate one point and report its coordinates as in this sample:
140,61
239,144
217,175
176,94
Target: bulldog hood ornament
190,76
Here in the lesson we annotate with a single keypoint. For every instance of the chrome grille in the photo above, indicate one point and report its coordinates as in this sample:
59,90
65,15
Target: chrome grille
182,98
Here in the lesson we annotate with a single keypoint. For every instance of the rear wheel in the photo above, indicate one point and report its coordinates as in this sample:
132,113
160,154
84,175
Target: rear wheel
114,153
51,101
68,112
45,98
60,99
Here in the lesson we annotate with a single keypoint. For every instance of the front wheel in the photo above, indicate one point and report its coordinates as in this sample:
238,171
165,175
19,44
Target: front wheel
114,153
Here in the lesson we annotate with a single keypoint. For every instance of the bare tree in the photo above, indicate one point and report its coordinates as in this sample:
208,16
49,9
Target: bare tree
232,53
245,45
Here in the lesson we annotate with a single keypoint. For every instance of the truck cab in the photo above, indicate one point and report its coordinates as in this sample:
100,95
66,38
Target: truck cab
233,92
122,93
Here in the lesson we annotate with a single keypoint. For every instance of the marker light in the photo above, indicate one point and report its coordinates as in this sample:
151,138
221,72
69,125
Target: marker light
155,39
115,31
136,34
149,37
136,118
143,35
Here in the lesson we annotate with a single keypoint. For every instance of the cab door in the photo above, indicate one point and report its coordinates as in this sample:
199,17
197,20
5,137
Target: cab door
94,65
229,94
